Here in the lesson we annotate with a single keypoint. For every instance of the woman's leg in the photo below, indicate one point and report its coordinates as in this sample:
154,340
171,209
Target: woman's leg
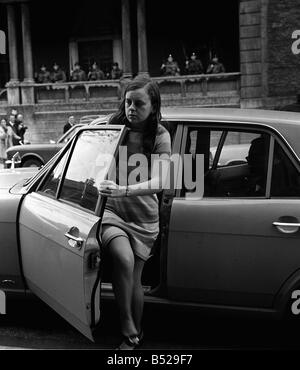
138,293
123,267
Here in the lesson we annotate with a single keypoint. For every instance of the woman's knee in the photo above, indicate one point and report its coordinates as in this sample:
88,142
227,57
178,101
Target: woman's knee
121,252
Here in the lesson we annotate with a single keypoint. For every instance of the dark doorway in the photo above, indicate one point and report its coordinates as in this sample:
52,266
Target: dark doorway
100,51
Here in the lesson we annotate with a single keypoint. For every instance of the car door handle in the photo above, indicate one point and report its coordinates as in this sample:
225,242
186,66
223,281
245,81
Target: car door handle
74,241
287,227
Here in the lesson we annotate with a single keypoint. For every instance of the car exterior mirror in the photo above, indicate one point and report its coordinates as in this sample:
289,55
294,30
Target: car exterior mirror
16,159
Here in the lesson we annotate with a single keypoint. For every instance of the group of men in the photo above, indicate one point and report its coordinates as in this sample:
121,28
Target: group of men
15,121
77,74
192,66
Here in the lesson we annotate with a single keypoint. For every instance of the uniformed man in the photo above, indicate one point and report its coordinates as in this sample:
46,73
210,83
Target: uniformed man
43,75
215,66
116,71
95,73
194,65
57,74
170,68
78,74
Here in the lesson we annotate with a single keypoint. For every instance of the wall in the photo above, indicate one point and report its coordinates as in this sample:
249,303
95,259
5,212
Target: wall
252,48
283,65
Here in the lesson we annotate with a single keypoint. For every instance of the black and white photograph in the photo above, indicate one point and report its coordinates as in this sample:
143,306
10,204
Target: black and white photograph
150,177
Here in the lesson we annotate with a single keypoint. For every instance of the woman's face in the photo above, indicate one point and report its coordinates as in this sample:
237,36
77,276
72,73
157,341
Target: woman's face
138,106
3,123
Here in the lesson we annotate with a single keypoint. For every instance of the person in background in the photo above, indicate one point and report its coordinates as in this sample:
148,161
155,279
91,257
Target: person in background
3,141
193,66
57,74
170,68
20,128
215,66
43,76
69,124
14,112
12,137
78,74
95,73
116,71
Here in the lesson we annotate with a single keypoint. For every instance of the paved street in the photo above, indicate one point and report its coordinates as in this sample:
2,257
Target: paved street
31,324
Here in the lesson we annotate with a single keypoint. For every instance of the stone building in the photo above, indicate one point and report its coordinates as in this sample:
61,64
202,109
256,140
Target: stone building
257,41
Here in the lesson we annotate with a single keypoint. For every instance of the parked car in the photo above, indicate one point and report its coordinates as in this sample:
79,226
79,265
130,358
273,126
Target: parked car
36,155
235,248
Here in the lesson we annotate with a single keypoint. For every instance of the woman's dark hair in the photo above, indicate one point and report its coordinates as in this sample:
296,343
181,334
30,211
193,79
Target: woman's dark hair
5,120
154,118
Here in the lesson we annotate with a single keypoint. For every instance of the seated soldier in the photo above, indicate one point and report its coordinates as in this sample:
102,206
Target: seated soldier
95,73
78,74
193,66
57,74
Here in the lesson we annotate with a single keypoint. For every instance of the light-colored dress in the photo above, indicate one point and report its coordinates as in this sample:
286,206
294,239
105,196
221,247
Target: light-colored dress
136,217
3,144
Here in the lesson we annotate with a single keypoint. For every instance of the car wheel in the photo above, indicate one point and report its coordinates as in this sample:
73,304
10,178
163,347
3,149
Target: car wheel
32,162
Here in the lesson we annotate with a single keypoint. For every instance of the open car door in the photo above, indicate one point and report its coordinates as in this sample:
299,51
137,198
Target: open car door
59,226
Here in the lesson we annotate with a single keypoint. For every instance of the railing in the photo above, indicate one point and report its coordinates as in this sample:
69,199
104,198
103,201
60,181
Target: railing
221,84
204,84
72,91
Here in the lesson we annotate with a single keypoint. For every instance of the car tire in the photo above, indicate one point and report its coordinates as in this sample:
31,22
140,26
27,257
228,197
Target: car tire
32,162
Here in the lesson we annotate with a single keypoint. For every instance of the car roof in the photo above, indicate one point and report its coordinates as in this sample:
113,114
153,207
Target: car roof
285,123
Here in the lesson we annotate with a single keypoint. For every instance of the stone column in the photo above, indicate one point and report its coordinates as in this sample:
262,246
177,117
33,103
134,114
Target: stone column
27,88
126,39
13,94
142,38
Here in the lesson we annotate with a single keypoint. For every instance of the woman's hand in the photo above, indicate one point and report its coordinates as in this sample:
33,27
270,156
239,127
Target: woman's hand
111,189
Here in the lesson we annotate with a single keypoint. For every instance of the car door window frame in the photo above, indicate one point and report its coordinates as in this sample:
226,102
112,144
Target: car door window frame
123,130
240,126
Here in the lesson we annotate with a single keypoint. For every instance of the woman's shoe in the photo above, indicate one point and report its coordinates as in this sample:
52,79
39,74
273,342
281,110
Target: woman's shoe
129,343
141,336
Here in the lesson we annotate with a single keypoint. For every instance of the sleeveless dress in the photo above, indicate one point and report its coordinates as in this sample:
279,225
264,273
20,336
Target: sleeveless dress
136,217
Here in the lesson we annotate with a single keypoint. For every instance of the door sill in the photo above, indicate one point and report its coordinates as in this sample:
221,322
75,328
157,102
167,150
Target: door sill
107,287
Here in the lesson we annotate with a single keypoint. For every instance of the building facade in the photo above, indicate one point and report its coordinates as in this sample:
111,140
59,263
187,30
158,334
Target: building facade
256,40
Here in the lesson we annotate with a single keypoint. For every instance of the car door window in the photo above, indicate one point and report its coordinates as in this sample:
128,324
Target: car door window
235,161
50,185
88,167
285,176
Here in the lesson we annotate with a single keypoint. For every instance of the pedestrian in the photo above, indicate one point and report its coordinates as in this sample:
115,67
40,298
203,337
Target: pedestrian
12,137
131,219
170,68
116,71
20,127
78,74
57,74
194,65
3,141
215,66
95,73
69,124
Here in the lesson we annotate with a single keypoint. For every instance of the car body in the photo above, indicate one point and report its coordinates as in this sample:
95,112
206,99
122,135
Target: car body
234,247
36,155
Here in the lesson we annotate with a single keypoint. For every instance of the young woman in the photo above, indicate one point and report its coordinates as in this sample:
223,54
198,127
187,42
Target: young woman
131,218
